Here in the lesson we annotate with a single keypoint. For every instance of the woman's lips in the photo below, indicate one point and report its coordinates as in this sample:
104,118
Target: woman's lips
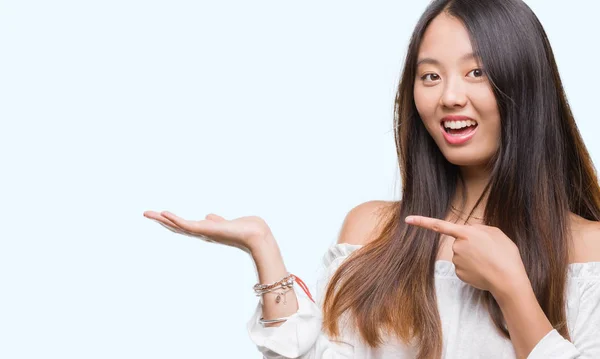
458,139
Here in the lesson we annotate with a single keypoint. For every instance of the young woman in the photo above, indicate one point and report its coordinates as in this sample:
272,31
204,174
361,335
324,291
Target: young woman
494,250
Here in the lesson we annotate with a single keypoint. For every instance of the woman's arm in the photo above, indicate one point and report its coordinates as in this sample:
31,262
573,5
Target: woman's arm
532,333
270,268
527,323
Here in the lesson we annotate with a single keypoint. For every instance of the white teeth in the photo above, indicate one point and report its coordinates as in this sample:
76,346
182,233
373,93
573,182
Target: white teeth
459,124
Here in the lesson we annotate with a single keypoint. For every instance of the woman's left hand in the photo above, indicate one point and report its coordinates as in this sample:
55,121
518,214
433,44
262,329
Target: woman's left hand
484,256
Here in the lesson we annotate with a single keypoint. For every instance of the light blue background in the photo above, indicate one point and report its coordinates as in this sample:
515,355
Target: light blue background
281,109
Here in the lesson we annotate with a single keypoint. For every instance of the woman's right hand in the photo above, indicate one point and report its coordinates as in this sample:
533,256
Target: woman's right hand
246,233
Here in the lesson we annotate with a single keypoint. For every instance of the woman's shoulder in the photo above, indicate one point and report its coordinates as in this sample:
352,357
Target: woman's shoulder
364,222
586,240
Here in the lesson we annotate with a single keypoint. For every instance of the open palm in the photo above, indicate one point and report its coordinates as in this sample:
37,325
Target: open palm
243,233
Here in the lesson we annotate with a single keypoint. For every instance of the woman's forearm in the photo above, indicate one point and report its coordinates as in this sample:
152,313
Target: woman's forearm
270,268
526,321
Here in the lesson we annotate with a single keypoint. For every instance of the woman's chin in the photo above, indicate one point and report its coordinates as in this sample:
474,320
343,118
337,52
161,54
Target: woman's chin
466,160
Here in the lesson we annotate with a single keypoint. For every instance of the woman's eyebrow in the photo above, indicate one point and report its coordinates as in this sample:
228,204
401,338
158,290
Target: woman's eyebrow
432,61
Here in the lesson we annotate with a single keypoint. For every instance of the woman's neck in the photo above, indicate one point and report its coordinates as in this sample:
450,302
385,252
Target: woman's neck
475,179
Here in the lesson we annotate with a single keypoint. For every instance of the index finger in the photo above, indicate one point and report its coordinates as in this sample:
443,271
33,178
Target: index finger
438,225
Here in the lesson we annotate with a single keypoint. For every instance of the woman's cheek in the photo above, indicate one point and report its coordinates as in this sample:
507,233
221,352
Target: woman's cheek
484,101
426,104
487,108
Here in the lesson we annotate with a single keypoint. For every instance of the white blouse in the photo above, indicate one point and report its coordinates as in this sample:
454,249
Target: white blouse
468,331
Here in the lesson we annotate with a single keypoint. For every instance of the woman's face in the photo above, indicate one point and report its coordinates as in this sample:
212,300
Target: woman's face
453,96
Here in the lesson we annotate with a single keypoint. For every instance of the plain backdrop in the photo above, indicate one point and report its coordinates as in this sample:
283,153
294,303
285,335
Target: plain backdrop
281,109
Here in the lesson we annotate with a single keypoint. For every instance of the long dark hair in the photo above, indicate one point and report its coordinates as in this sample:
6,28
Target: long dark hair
540,172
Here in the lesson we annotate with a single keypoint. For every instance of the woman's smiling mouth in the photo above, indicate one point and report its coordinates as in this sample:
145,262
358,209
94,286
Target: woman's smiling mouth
458,129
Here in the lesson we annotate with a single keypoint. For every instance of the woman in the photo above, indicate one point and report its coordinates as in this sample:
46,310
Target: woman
494,249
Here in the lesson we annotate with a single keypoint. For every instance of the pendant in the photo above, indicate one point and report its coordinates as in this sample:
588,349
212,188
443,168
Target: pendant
278,299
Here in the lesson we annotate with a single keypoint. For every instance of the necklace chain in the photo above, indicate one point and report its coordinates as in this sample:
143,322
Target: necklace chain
459,213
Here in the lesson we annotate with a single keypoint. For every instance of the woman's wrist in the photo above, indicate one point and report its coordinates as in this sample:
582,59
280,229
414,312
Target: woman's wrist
268,260
512,290
263,246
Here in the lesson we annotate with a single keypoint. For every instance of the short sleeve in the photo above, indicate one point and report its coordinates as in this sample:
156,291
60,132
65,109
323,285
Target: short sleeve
585,334
301,335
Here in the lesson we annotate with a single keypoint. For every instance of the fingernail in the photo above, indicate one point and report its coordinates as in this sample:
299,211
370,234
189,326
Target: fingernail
409,219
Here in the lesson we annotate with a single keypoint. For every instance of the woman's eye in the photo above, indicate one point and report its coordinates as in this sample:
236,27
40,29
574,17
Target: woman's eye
476,72
430,77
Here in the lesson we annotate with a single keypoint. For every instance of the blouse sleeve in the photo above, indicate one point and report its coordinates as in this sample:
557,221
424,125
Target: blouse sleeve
585,334
301,336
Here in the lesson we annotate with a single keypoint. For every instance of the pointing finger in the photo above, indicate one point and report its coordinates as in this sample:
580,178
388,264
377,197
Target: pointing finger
438,225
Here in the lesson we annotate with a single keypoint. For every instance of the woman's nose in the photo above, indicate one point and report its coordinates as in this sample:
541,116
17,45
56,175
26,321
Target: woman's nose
454,95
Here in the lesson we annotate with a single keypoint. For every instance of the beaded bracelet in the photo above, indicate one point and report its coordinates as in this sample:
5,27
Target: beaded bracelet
261,287
284,285
287,280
